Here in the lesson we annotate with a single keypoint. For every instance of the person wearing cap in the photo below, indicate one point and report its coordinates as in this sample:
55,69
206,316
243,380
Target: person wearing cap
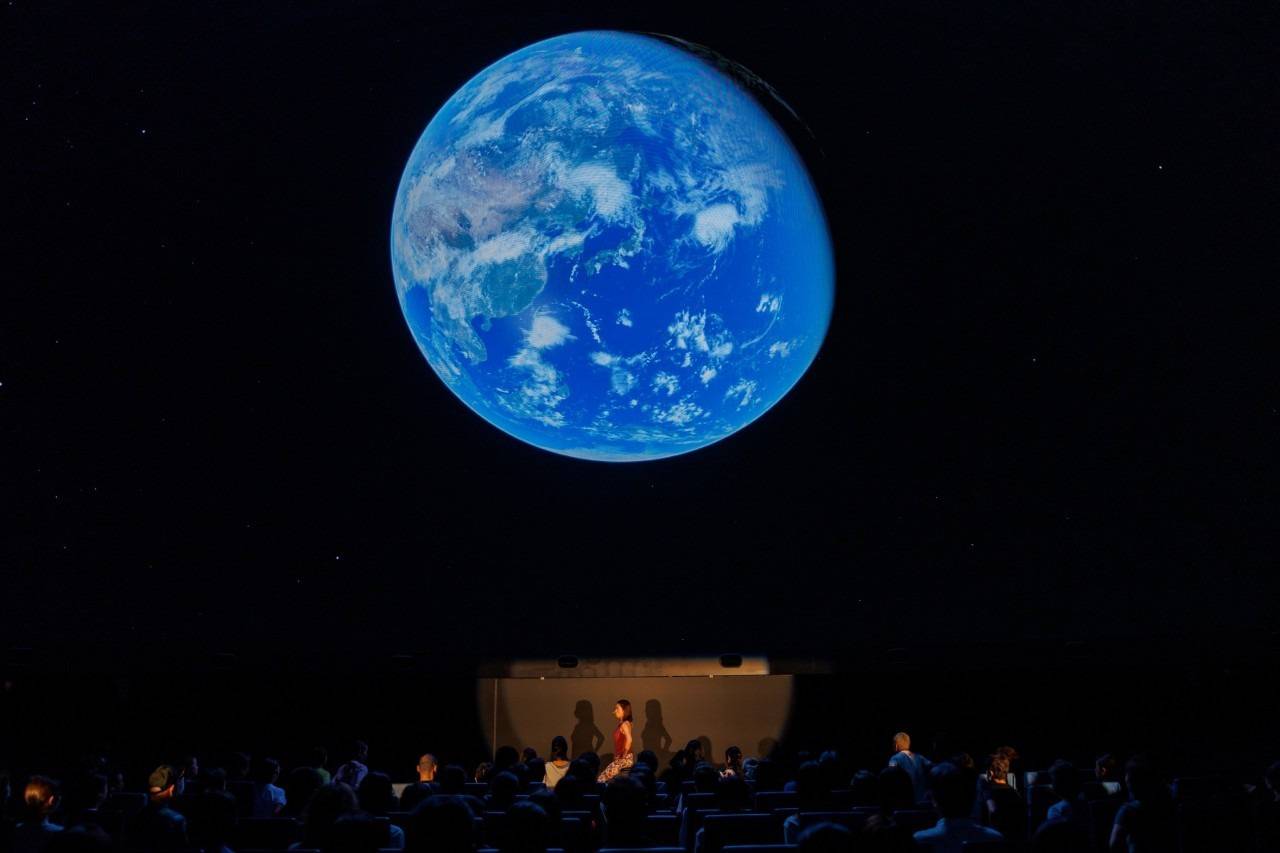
158,826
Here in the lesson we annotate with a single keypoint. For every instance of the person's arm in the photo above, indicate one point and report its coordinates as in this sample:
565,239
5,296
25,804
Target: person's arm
626,733
1119,832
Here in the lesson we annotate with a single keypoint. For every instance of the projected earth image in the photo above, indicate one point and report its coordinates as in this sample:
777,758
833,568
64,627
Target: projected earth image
606,247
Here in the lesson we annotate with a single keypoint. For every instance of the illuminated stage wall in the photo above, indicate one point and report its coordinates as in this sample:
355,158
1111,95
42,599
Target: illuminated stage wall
748,711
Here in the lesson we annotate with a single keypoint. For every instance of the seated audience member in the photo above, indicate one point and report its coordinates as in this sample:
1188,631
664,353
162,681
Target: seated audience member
376,796
83,796
896,791
536,772
677,771
238,765
863,790
732,762
527,829
558,764
625,814
215,779
833,771
189,769
441,824
996,803
705,778
528,754
591,762
453,782
733,795
426,768
693,752
812,796
996,775
952,793
317,759
1066,787
298,788
416,793
158,826
483,769
1010,756
268,797
453,779
520,770
546,800
354,833
826,838
647,758
769,775
504,759
1145,823
212,820
503,788
916,765
353,771
749,768
33,833
570,794
327,804
964,761
581,769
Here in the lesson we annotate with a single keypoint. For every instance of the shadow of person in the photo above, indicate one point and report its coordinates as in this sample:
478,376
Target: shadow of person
766,747
585,737
707,755
654,736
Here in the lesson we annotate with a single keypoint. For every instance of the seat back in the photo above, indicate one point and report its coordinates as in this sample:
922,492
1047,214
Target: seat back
127,803
1010,815
850,820
664,829
721,830
243,792
769,801
1101,814
914,820
265,833
699,801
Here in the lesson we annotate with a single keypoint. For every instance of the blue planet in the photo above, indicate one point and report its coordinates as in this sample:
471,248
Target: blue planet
606,247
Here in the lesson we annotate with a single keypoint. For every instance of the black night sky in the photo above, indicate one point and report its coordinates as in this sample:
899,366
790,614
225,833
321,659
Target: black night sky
1046,410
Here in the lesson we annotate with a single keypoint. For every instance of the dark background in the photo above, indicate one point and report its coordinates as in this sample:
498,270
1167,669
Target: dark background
1043,422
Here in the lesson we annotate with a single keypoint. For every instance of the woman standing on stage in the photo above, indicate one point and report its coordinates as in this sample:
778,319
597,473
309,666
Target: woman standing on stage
623,757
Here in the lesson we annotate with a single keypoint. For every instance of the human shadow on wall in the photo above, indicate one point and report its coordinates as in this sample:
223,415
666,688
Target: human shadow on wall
766,747
707,755
655,736
585,737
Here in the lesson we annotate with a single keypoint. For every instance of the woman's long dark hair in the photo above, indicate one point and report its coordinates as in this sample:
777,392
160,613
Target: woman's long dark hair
626,710
559,748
